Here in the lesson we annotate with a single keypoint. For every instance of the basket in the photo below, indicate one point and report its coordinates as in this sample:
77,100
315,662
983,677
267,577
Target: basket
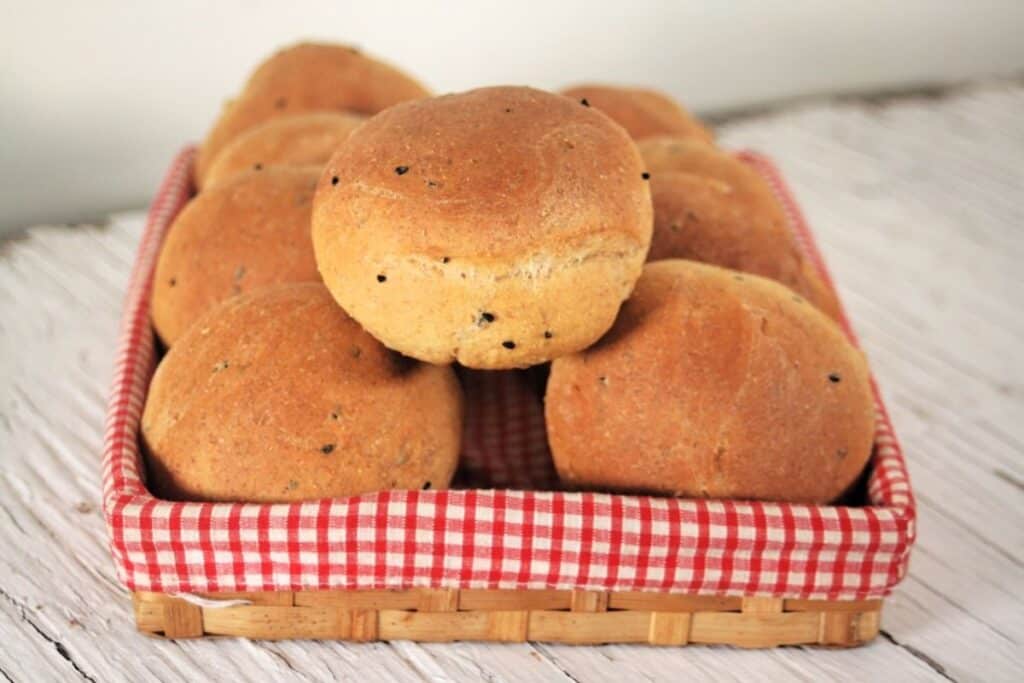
504,555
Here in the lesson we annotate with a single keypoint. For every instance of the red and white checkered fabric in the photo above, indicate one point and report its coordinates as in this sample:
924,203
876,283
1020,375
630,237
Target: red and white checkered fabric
514,531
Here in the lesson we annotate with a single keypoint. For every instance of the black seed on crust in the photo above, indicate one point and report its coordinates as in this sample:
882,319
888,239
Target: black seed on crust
486,317
445,259
327,448
426,486
509,344
834,377
584,102
645,175
257,167
548,334
382,278
334,180
401,170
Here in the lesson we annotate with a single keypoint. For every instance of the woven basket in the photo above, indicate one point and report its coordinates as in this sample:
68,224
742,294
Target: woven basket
504,556
515,616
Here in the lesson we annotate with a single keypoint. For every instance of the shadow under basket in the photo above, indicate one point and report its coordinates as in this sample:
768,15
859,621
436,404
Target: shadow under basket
504,556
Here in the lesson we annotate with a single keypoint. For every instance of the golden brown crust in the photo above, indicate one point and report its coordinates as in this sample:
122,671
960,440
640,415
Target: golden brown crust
308,77
665,154
500,227
811,285
713,384
278,396
709,206
703,219
297,140
643,113
249,231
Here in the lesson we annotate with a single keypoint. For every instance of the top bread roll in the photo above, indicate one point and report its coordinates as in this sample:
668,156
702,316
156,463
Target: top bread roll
249,231
713,384
308,77
501,227
278,396
643,113
298,140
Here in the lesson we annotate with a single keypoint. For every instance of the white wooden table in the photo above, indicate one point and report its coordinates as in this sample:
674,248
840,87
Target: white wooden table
919,205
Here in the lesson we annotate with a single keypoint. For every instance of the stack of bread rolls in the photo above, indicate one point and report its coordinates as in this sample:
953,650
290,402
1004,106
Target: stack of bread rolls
354,239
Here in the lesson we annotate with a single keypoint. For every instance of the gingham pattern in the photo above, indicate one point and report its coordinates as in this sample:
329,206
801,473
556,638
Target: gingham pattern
482,537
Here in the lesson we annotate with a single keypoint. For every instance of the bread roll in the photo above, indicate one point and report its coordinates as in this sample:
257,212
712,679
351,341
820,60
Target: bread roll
703,219
812,286
709,206
308,77
278,396
501,227
672,154
713,384
298,140
643,113
249,231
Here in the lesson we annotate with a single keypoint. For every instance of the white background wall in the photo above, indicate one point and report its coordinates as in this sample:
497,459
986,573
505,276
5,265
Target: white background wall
96,96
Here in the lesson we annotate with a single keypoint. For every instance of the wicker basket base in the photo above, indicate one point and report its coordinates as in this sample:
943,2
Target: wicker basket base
580,617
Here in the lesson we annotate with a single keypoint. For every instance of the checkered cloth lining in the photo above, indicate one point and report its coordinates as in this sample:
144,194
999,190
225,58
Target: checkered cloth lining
512,532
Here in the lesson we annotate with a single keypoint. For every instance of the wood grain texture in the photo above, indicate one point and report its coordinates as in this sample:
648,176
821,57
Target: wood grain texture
919,207
440,615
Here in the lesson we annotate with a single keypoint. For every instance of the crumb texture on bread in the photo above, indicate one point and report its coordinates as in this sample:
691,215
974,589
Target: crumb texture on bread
279,396
500,227
249,231
717,384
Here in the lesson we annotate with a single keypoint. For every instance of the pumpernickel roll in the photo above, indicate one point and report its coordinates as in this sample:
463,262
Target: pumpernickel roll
278,396
297,140
713,384
643,113
308,77
249,231
501,227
